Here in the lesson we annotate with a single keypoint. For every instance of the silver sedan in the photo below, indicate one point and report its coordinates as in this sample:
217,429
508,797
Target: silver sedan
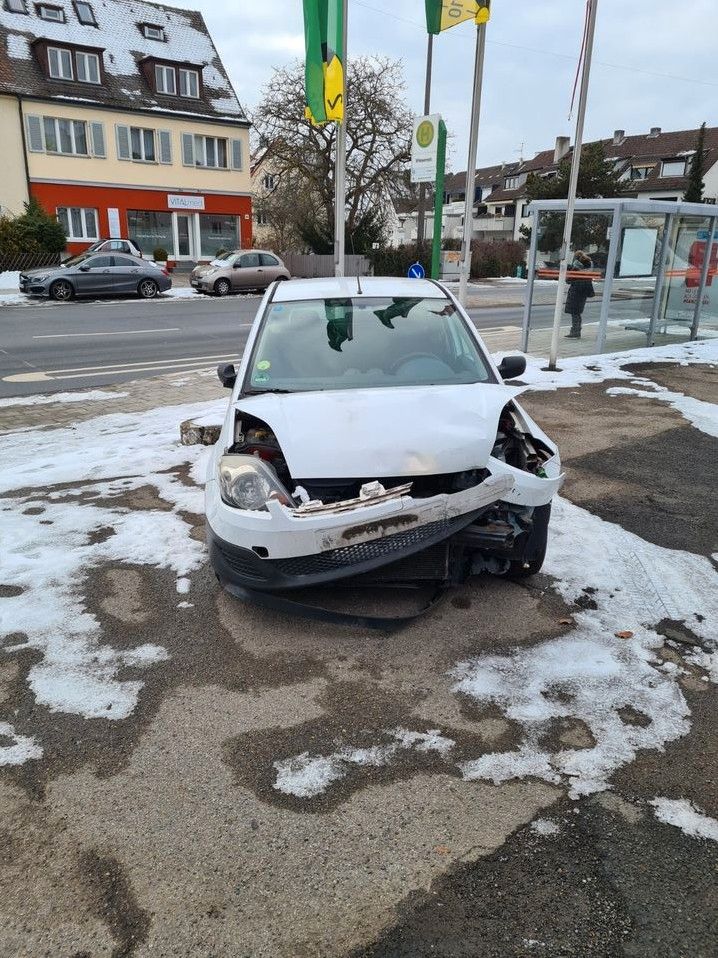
92,274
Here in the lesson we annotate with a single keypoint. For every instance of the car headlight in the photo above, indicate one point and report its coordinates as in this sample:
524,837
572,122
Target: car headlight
247,482
38,279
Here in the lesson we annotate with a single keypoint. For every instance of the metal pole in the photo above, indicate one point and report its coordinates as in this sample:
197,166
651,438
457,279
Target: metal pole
658,293
712,225
573,182
530,282
471,164
340,168
608,277
421,212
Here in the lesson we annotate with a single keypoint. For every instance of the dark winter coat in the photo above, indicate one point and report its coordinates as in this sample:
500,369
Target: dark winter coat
579,290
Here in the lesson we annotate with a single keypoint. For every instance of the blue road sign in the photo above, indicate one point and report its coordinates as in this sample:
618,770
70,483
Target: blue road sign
416,271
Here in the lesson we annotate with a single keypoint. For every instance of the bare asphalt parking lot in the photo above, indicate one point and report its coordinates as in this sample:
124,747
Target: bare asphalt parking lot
529,770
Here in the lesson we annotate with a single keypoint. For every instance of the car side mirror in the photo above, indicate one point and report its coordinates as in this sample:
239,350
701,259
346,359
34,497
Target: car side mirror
85,269
227,375
512,366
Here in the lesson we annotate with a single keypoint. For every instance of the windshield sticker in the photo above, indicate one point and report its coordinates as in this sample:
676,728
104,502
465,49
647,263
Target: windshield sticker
261,378
263,365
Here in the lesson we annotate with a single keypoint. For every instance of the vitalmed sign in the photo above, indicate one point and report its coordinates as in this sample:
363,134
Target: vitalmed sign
181,202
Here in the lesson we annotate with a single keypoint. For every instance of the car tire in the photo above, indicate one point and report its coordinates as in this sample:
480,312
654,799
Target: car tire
222,287
535,551
61,291
147,289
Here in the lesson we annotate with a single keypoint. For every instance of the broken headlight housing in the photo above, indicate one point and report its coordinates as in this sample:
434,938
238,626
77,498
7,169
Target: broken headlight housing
247,482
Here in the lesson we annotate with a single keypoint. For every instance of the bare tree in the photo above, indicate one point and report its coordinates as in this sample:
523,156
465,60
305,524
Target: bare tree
379,127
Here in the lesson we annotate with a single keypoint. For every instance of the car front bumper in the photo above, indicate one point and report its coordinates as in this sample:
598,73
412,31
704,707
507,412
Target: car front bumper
32,288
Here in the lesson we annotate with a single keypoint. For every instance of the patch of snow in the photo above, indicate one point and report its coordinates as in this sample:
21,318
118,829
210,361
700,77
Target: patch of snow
305,776
185,605
94,395
23,747
18,47
591,675
545,827
48,554
580,370
9,279
702,415
684,815
181,292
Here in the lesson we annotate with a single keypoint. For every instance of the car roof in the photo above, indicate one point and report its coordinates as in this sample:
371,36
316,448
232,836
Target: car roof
348,286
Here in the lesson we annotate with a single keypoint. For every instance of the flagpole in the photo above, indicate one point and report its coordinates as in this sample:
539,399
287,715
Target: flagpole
340,167
421,216
471,164
573,183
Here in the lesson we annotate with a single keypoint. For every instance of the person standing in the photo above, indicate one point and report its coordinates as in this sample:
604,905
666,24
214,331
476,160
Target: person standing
579,290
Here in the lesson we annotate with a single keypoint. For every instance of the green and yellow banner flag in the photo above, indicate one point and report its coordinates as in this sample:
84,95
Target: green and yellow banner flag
324,70
444,14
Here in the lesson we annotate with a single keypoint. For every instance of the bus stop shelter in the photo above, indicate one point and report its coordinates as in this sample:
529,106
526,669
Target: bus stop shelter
655,274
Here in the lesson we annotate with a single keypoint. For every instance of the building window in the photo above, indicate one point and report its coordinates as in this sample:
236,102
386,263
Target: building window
269,181
165,80
87,66
15,6
152,32
189,83
673,168
60,64
85,13
150,230
142,145
78,223
511,182
217,232
45,12
261,218
65,136
640,172
210,151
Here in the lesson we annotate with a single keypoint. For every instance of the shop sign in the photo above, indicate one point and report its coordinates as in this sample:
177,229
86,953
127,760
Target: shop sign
181,202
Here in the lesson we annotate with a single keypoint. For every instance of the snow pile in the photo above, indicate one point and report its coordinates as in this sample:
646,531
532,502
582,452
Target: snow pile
50,542
94,395
9,280
684,815
305,776
580,370
545,827
592,676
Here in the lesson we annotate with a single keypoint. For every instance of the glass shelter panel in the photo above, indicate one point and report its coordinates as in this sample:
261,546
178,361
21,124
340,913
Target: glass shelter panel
686,254
581,309
708,324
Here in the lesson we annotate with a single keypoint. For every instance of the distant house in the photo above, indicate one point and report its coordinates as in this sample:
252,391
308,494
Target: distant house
119,117
654,165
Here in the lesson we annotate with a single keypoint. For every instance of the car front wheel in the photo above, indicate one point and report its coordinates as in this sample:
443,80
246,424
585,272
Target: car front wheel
61,291
148,289
535,551
222,287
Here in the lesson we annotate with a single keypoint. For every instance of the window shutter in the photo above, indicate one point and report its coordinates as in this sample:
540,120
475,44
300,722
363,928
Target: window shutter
34,134
188,149
97,138
237,155
123,142
165,139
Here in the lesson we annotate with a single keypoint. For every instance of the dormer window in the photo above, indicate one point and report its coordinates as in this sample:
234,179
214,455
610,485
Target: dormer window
165,79
189,83
152,32
85,13
47,12
15,6
673,168
60,64
88,67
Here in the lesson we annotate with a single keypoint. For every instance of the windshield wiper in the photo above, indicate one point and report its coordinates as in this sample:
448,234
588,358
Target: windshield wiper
264,392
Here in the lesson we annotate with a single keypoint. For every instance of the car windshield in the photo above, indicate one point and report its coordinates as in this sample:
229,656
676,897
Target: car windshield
223,258
363,343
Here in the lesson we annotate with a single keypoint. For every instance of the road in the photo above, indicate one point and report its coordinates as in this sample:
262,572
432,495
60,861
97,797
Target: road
50,347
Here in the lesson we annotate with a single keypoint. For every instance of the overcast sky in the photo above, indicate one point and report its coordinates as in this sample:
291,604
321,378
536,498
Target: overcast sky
655,63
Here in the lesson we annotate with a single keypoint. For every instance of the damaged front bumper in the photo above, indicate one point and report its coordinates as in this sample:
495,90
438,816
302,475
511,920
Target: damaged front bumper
287,547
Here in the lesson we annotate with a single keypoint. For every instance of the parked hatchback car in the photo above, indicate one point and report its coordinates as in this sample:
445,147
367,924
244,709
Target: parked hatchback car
370,432
239,271
116,246
91,274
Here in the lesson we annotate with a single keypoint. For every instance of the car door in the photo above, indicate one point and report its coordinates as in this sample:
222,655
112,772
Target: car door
246,274
124,275
92,275
270,266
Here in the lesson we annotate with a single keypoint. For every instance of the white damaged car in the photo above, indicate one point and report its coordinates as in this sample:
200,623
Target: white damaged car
370,434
